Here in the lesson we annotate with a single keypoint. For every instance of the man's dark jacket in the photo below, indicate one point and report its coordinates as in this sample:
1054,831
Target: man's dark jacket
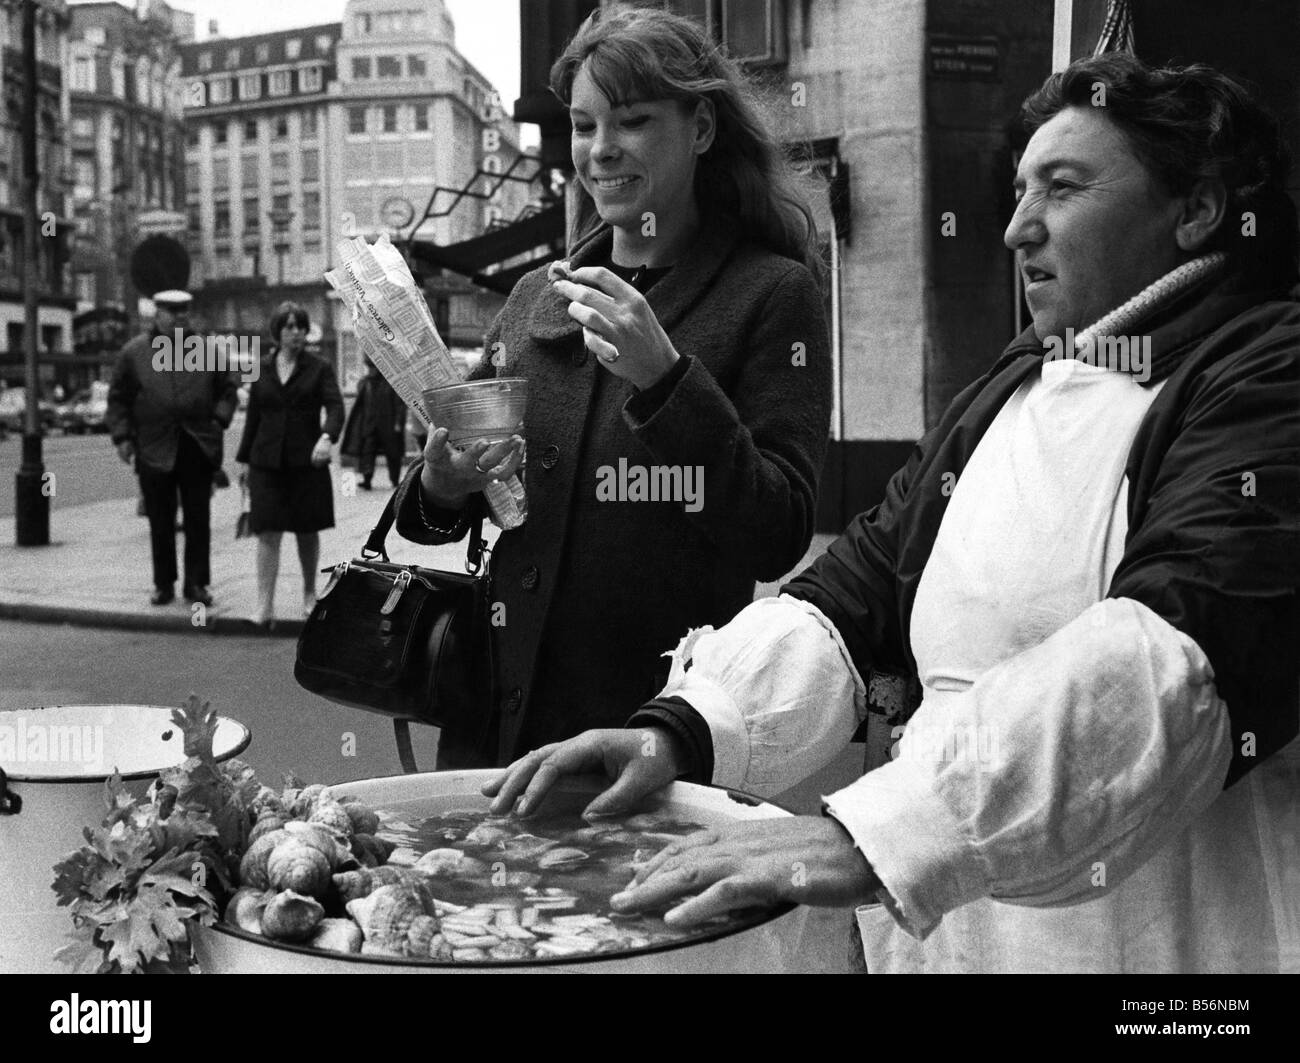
153,406
283,422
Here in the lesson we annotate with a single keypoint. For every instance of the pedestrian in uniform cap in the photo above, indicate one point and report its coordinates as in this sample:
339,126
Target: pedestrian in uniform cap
170,422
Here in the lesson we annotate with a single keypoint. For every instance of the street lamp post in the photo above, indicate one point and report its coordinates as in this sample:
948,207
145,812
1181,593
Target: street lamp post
31,503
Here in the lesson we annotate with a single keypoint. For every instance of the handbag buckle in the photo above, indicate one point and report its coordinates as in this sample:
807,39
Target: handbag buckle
400,584
339,571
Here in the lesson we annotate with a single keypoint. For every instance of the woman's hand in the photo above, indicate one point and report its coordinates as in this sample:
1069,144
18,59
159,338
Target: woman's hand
450,476
638,761
804,859
618,326
320,454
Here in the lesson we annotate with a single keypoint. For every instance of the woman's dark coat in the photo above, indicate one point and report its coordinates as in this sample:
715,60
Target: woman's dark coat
283,421
596,591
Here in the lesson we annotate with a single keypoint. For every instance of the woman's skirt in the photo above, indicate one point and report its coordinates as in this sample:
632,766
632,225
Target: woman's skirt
293,500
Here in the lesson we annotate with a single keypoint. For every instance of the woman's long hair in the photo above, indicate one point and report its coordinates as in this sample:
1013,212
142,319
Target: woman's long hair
646,54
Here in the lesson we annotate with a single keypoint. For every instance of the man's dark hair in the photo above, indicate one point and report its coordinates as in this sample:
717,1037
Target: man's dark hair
1191,123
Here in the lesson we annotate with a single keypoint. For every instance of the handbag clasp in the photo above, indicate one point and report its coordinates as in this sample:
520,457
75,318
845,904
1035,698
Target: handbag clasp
337,574
400,584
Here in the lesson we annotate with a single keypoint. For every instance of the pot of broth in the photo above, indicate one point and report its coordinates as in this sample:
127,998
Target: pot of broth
511,894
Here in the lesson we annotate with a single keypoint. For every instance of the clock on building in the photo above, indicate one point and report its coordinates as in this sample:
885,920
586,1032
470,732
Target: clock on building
397,212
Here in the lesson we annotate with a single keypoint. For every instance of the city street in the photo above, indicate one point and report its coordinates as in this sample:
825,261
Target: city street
86,469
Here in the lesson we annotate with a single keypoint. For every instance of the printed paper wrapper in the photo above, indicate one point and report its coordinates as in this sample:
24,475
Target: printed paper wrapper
396,331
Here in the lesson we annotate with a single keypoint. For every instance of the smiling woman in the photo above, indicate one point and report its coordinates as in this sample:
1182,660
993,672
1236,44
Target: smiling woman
685,339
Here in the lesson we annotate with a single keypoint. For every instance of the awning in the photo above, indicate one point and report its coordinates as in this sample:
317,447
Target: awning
539,235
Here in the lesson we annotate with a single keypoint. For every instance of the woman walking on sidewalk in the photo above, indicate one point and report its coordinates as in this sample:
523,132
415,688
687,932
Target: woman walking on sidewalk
287,452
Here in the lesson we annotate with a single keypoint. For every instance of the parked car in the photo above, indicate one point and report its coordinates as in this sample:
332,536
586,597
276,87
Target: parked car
89,409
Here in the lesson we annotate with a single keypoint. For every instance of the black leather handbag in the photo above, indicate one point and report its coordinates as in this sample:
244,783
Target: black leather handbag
408,642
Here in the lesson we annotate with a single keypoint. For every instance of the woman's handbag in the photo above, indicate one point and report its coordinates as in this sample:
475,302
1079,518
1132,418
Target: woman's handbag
407,642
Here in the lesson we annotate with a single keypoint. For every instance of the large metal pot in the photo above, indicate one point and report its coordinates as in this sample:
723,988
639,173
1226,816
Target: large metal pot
769,944
56,761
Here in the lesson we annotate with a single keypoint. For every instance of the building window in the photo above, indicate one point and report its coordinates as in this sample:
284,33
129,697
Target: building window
205,60
219,133
389,112
416,66
356,119
280,167
281,127
308,122
292,47
117,71
311,165
278,83
324,42
250,129
220,173
83,127
232,58
83,74
280,203
388,66
361,66
250,86
421,117
219,91
263,53
252,216
311,210
309,79
363,23
248,171
142,82
192,176
221,217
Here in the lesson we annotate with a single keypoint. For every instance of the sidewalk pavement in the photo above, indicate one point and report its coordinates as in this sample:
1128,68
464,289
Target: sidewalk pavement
96,570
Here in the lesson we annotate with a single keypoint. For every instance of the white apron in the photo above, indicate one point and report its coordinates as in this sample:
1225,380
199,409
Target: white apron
1032,535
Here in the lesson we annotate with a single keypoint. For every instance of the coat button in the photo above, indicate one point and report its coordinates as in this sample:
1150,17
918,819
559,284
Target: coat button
550,457
580,356
530,578
512,702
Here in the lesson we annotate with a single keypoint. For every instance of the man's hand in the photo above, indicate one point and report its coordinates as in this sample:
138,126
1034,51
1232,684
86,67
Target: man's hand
638,761
126,451
802,859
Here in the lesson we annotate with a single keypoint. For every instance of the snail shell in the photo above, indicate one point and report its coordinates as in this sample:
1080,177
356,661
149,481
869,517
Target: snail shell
337,935
562,857
304,804
245,909
265,800
331,815
387,915
364,818
353,885
295,866
266,822
290,916
439,862
419,938
252,868
371,851
320,837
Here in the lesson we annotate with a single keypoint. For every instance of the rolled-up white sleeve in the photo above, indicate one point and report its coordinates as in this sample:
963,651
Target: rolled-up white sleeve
1053,777
777,689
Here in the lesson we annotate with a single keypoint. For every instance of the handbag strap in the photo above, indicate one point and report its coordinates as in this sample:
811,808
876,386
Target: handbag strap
379,533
